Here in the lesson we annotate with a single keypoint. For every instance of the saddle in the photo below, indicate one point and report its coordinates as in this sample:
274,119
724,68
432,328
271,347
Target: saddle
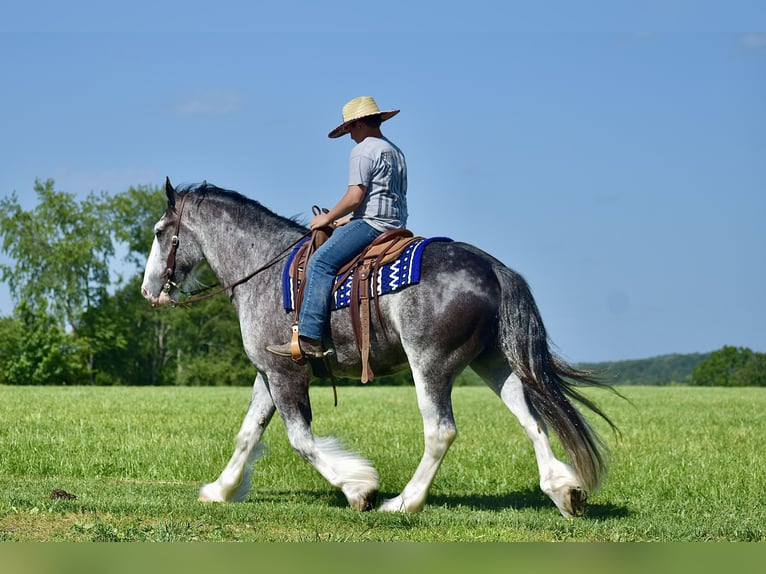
364,272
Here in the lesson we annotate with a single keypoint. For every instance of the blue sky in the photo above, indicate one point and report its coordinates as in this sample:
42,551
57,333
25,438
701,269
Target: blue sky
612,153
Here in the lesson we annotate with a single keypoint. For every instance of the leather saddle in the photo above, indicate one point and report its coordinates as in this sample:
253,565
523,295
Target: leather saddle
364,272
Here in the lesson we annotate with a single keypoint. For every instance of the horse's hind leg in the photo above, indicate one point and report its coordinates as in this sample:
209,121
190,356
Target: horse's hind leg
439,433
557,479
234,481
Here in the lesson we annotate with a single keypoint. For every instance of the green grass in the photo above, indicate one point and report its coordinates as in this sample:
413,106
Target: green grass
688,467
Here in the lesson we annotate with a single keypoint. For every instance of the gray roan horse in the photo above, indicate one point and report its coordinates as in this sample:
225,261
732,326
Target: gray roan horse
468,310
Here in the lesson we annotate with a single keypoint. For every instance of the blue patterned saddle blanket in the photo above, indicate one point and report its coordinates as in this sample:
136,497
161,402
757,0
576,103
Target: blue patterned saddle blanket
392,277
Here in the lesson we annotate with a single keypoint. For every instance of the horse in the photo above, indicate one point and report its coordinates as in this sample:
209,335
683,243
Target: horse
468,310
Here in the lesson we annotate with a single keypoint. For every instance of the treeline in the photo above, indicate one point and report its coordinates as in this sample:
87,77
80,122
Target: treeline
76,321
674,369
727,367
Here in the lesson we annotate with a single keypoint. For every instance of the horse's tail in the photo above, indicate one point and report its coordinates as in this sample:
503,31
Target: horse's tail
549,381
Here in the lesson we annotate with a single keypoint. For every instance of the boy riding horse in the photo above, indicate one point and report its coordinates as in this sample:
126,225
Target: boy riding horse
375,201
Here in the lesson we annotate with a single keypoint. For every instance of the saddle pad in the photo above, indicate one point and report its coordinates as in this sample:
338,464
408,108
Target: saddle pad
396,275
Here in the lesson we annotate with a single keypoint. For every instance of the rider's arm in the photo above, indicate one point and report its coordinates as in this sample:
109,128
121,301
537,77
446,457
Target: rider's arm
349,202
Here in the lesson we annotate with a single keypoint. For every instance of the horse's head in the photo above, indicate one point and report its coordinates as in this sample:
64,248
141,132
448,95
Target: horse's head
174,253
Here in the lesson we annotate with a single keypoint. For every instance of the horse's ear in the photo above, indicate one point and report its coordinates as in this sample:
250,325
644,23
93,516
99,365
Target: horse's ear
171,193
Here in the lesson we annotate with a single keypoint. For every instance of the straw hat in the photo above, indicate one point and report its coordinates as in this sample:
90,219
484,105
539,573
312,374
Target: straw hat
359,108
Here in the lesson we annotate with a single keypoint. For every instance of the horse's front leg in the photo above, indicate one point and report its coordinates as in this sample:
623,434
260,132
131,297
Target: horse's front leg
234,482
354,475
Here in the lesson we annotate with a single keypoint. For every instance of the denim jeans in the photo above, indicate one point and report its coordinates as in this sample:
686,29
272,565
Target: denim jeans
345,242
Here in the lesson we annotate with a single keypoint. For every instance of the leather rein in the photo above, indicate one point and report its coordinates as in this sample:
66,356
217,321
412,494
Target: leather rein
171,266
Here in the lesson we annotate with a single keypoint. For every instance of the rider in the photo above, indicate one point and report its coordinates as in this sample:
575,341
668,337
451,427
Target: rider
375,201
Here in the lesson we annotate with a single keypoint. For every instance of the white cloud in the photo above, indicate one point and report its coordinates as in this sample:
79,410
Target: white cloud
208,104
755,40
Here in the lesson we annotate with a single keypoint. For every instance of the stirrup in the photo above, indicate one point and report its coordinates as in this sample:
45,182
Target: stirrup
300,351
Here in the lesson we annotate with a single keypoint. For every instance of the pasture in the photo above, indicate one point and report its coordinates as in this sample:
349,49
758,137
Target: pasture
689,466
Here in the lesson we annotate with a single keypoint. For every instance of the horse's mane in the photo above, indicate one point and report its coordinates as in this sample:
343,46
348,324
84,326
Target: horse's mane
235,200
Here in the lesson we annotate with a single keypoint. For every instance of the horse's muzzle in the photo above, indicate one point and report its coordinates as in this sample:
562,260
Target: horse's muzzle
162,300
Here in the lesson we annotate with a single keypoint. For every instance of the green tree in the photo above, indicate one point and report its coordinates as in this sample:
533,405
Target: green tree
11,339
205,343
752,373
135,339
731,367
61,251
133,214
35,350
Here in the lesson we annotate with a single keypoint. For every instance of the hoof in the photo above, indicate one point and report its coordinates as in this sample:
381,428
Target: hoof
204,498
364,502
577,502
209,493
398,504
368,502
393,505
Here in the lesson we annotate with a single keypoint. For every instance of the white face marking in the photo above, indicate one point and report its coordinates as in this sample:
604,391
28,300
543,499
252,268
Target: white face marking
152,285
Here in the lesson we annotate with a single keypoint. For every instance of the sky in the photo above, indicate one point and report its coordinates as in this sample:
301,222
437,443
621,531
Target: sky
613,153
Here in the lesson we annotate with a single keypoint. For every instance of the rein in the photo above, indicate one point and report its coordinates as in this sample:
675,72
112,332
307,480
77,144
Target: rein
171,265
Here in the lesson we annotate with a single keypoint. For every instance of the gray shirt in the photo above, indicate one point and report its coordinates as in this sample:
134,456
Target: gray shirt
380,166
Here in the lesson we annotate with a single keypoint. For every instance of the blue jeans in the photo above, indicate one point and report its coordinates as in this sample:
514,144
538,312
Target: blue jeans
344,243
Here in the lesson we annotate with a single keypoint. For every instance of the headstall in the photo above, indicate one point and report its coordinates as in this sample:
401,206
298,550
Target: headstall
170,266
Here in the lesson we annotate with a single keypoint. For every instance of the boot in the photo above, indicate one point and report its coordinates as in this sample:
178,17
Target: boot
310,349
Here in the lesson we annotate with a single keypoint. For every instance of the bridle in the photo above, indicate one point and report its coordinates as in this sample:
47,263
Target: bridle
170,266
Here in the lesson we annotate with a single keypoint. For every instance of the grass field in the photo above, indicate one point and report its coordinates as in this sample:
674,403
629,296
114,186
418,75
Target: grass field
689,466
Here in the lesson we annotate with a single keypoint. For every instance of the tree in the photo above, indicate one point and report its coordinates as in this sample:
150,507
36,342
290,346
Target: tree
752,373
731,367
35,350
205,343
61,251
133,214
134,335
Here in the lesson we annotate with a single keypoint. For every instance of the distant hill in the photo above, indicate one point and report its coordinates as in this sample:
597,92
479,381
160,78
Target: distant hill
662,370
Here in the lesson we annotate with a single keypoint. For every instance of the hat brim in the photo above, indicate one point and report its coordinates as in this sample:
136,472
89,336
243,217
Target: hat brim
342,129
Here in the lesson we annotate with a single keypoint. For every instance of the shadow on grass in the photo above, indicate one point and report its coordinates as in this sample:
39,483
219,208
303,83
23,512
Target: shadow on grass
530,498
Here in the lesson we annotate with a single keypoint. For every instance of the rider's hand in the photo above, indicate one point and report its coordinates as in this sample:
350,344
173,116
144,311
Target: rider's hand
321,220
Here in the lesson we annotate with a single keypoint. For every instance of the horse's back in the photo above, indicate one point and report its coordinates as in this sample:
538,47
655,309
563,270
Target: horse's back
455,270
